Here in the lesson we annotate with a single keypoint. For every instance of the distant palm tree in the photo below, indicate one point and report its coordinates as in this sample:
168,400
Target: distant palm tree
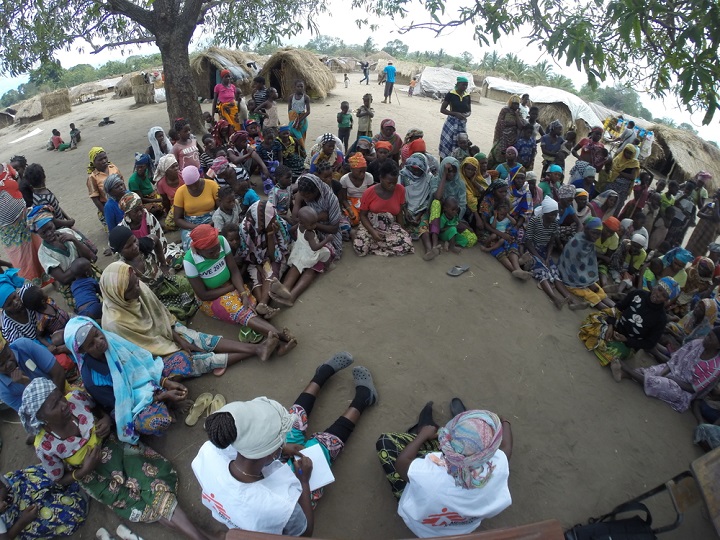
539,74
490,61
511,67
562,82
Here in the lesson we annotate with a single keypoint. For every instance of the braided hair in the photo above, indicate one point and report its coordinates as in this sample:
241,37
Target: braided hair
221,430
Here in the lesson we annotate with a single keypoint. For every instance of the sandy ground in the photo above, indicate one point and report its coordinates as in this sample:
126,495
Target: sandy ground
582,442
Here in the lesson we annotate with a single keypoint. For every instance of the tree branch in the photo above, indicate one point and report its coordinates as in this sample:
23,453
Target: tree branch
136,41
209,6
124,7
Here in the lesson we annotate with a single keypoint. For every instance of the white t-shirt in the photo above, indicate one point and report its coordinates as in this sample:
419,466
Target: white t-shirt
432,505
353,191
264,506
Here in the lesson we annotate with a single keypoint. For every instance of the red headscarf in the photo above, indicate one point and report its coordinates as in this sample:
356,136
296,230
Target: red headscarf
204,237
418,145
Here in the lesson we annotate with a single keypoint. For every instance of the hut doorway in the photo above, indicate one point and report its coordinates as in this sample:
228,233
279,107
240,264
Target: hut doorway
276,82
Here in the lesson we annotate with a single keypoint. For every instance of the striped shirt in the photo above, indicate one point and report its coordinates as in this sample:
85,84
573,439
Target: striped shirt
538,234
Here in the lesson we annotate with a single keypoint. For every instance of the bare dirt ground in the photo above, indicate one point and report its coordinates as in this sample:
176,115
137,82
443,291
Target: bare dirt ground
582,442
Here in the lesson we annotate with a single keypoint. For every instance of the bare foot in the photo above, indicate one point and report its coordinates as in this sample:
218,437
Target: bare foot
181,407
456,250
287,347
279,289
578,306
521,274
430,255
558,303
266,311
267,347
281,300
616,368
107,252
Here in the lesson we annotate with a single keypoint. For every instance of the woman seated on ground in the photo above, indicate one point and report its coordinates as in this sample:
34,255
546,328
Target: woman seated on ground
195,202
695,325
446,184
511,162
580,203
474,193
381,206
407,150
387,133
211,269
637,322
603,206
606,245
485,177
114,189
133,480
675,262
49,317
168,179
140,182
293,154
625,169
521,201
265,248
147,260
692,372
134,387
641,194
416,178
133,312
316,194
463,467
541,237
328,153
699,284
243,154
626,266
159,146
221,133
578,267
245,481
354,184
568,222
59,249
143,224
34,506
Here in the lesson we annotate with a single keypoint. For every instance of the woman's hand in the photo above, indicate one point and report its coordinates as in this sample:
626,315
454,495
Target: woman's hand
29,515
174,391
619,337
166,270
376,235
303,469
245,296
291,450
92,458
103,426
184,344
428,432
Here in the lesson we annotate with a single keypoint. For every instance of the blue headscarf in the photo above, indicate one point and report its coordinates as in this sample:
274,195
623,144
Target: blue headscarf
670,286
144,159
38,217
9,282
681,254
135,374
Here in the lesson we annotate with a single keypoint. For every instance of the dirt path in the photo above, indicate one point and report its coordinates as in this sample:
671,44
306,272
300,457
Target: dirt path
582,442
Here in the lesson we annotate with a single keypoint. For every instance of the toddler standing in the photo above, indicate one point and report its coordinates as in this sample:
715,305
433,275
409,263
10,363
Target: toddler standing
345,123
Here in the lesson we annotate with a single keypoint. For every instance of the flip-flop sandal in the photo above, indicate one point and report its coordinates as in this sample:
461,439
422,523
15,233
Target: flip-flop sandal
201,403
216,404
103,534
126,534
457,270
362,377
616,369
280,300
248,335
339,361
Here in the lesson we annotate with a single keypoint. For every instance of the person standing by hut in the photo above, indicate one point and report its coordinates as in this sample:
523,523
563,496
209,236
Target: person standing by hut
389,79
226,99
707,228
458,101
298,111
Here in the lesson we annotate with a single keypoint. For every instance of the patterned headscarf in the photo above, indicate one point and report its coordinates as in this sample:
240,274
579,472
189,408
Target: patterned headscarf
10,281
467,442
670,286
167,161
708,268
414,134
566,191
703,175
326,138
220,164
39,216
594,224
94,151
33,397
142,159
357,161
253,229
238,136
129,202
204,237
497,184
681,254
112,182
554,124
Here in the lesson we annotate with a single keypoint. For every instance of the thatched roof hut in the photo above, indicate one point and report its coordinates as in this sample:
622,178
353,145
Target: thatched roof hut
28,111
381,55
288,65
6,119
55,103
679,155
499,89
123,88
91,90
207,65
559,111
342,65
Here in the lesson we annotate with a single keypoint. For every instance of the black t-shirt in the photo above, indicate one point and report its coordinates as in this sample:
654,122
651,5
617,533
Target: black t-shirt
458,104
27,192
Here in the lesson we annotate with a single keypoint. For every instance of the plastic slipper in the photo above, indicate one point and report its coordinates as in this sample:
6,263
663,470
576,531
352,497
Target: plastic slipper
457,270
126,534
201,403
362,377
216,404
102,534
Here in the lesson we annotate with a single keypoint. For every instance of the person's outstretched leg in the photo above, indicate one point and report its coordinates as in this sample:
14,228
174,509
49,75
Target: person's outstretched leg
339,361
365,395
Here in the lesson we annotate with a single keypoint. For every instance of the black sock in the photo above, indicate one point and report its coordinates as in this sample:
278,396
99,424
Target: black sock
306,401
362,398
342,428
322,374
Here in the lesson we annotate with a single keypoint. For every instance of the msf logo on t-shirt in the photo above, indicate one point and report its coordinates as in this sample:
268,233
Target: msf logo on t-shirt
445,519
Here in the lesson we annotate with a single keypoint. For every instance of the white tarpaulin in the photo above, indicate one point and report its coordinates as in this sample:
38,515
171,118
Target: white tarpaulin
439,81
578,108
496,83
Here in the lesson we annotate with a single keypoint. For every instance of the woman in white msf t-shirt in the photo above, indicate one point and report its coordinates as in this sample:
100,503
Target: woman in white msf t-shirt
450,491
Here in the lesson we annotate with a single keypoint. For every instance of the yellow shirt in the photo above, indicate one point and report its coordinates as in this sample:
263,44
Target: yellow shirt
610,244
200,205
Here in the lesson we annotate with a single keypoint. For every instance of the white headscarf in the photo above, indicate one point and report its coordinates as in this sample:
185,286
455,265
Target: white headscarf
261,426
640,239
164,164
154,143
548,205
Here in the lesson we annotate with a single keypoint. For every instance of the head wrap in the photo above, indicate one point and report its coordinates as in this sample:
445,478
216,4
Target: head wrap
167,161
387,123
10,281
143,159
82,334
33,397
589,171
612,223
498,184
670,286
238,136
513,99
626,223
597,129
129,202
703,175
39,216
555,168
462,79
224,73
111,182
480,156
708,266
118,237
714,247
554,124
418,145
580,192
511,150
384,145
414,133
219,164
357,161
531,175
190,175
261,426
467,442
284,129
549,205
517,169
92,154
326,138
594,224
639,239
204,237
681,254
566,191
157,151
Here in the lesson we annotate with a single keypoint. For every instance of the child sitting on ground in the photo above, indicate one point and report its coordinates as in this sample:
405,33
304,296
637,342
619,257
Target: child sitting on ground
228,210
270,151
281,194
85,290
345,123
231,233
42,196
245,195
74,136
450,226
58,144
462,147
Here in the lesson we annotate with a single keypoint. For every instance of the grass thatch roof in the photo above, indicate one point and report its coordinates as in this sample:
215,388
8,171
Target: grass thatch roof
242,65
28,110
124,87
55,103
6,119
382,55
288,65
680,154
85,91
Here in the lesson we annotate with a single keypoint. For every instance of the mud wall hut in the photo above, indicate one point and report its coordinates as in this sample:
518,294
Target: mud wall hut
499,89
55,103
288,65
207,65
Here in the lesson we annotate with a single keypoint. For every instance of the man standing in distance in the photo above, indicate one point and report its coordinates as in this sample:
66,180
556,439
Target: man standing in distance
389,80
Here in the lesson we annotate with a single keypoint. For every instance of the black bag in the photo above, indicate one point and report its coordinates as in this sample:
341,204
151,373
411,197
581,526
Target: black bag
609,528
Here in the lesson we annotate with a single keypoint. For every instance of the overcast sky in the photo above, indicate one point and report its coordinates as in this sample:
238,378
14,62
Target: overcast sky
454,42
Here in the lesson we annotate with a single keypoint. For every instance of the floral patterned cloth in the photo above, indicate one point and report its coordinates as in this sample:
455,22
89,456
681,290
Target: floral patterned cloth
396,240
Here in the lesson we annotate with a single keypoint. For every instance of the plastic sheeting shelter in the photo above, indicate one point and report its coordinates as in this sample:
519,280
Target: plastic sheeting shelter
435,81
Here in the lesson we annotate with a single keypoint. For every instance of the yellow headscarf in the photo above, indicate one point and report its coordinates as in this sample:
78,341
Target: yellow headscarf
620,162
471,191
94,151
514,99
